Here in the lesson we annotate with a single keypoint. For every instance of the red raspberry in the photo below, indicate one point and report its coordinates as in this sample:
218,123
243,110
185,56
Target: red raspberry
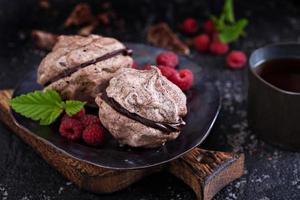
167,71
147,67
134,65
80,114
66,117
89,120
167,58
218,48
202,42
71,129
77,116
236,59
209,26
93,135
183,79
190,26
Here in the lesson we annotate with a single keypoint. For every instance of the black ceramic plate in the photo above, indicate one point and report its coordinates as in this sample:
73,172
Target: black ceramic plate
203,108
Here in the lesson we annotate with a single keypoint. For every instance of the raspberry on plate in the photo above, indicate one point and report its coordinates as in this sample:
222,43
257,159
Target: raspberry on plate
93,135
190,26
167,58
208,26
71,129
135,65
201,43
218,48
77,116
236,60
183,79
147,67
80,114
65,116
89,120
167,71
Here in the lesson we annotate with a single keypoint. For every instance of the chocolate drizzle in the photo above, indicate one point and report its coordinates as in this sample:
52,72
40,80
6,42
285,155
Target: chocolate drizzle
70,71
165,127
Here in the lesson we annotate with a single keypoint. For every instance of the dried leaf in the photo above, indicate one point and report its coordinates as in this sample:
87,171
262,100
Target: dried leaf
44,40
162,36
45,4
82,14
87,30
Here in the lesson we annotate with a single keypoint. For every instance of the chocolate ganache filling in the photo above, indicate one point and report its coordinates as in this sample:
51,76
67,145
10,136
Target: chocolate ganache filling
69,72
165,127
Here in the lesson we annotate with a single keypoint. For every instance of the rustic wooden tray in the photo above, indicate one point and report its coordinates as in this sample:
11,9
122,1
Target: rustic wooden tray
206,172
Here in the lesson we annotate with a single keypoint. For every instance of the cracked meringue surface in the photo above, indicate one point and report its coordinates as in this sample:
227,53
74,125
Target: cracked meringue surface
148,94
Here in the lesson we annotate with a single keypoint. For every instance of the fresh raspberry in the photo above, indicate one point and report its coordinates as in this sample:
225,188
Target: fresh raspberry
134,65
202,42
147,67
167,58
218,48
167,71
89,120
209,26
71,129
190,26
65,116
183,79
93,135
77,116
236,59
80,114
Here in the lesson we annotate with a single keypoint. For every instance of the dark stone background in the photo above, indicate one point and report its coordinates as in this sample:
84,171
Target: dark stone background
270,173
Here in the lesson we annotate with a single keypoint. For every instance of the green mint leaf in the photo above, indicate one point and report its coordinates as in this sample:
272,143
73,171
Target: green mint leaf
218,22
40,106
228,11
51,117
73,107
232,32
229,30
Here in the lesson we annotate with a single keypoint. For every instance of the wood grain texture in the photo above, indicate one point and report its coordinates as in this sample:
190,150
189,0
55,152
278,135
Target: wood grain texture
206,172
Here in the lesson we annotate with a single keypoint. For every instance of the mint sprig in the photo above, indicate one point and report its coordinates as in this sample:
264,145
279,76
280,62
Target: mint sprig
45,107
229,29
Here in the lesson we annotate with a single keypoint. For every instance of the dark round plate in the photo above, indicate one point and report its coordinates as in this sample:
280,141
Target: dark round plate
203,108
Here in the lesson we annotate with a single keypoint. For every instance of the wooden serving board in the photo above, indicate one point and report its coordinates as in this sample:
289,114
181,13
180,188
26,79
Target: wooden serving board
206,172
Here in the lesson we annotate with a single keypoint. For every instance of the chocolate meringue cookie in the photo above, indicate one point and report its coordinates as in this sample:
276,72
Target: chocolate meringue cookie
141,108
80,67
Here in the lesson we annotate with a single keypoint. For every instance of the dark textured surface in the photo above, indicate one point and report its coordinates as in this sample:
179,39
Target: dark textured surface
270,173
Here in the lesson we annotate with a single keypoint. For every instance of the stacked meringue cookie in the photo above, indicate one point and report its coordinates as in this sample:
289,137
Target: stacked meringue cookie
141,108
80,67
